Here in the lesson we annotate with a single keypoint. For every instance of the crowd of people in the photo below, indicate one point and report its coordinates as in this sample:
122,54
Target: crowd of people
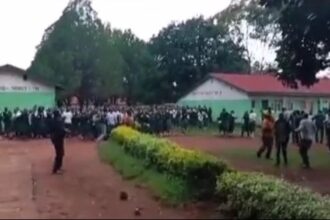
304,129
91,121
95,121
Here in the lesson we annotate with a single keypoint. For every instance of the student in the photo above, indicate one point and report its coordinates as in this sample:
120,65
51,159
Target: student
57,131
319,122
267,136
282,135
67,115
246,124
252,122
307,131
327,130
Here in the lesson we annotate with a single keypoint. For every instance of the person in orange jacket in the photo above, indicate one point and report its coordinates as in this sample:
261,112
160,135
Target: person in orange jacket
267,136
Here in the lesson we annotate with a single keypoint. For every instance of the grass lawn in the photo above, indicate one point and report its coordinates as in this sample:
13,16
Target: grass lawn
169,189
319,156
211,130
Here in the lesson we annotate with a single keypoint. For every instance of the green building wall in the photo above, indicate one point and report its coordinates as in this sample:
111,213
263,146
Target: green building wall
12,100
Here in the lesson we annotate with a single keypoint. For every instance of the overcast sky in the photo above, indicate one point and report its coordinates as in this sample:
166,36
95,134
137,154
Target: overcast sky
22,22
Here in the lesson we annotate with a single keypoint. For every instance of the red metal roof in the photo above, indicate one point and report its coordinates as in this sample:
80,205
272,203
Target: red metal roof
269,84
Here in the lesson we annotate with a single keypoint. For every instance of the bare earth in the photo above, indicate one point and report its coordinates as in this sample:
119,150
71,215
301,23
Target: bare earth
87,189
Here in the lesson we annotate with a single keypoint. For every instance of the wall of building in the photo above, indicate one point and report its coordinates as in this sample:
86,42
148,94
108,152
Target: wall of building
217,95
310,104
17,92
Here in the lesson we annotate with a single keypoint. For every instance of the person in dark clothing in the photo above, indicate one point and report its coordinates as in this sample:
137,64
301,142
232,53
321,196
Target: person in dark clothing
327,130
282,134
246,124
223,121
231,119
319,122
57,134
209,114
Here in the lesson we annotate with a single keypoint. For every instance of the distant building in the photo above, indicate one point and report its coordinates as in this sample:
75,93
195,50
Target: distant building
19,90
243,92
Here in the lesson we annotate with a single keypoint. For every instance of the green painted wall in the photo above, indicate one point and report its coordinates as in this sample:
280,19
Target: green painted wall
26,100
238,106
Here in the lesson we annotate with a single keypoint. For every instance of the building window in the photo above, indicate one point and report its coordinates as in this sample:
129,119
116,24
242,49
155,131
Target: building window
253,103
278,105
289,105
264,104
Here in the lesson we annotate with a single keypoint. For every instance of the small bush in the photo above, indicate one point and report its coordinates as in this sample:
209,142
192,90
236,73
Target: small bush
170,190
252,195
198,169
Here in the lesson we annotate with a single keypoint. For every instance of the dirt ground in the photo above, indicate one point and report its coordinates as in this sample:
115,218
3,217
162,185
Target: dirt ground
87,189
316,179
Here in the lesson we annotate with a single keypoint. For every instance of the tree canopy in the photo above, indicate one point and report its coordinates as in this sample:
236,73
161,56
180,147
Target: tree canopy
92,60
305,43
186,52
252,26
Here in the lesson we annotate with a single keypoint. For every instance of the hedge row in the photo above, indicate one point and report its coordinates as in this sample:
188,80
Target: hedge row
253,195
200,170
248,195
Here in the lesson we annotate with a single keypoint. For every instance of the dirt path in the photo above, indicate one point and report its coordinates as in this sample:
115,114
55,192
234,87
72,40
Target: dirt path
88,188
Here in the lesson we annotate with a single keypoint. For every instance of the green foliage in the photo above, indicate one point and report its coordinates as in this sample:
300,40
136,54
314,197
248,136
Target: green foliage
170,189
198,169
305,44
186,52
88,58
250,24
258,196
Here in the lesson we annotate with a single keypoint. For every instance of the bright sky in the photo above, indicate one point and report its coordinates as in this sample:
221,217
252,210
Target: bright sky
22,22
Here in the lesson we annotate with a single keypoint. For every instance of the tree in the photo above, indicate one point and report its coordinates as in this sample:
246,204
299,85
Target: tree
252,26
186,52
137,64
305,44
72,51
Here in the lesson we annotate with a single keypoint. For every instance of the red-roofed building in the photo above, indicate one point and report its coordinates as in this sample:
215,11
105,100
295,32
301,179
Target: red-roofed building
243,92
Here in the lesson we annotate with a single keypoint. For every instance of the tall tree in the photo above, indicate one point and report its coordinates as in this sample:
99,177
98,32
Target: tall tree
187,51
138,63
305,44
69,53
252,26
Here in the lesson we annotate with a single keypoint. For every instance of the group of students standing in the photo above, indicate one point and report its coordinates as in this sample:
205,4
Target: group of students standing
305,130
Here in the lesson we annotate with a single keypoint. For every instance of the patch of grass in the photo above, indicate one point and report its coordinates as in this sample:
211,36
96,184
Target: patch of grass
169,189
211,129
319,156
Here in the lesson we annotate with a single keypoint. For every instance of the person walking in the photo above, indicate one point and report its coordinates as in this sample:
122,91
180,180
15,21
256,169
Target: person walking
246,124
267,136
57,134
319,120
307,131
252,122
282,135
327,130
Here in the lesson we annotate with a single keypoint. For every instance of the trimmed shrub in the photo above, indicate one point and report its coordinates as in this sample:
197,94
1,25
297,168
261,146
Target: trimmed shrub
252,195
198,169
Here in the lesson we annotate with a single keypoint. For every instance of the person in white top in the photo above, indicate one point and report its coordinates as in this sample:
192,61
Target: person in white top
67,116
111,120
253,122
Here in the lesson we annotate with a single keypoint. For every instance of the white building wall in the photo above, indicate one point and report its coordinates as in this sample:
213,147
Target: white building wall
215,90
12,82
